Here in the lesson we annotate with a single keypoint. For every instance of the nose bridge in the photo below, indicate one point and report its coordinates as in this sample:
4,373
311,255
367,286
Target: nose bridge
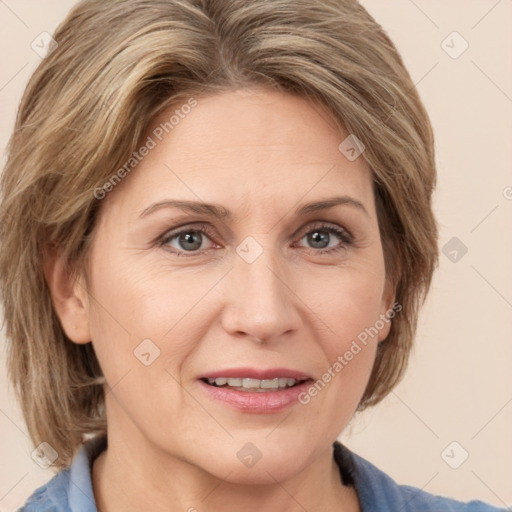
261,304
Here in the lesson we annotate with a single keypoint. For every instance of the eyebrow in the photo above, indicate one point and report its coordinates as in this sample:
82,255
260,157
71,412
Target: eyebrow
330,203
218,211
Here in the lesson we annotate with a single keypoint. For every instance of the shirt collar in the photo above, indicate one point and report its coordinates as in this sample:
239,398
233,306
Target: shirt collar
80,492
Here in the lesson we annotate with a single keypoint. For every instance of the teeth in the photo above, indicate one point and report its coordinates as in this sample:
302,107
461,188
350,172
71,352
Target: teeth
271,384
253,384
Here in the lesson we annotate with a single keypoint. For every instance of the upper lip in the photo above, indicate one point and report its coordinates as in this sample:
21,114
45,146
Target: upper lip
255,373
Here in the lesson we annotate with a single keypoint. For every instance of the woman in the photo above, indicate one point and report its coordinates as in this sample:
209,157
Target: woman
217,232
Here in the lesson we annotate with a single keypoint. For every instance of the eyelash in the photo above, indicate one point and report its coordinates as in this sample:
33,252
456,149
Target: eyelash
345,236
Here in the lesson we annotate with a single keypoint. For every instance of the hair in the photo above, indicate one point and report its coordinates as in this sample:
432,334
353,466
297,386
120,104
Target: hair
85,110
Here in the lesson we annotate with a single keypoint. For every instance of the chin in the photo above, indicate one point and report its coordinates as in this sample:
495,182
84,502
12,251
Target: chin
244,463
262,473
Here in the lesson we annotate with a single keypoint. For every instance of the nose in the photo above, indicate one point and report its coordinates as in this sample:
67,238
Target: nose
260,303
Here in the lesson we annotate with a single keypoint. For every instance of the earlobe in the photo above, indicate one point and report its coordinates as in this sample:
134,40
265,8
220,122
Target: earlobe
69,296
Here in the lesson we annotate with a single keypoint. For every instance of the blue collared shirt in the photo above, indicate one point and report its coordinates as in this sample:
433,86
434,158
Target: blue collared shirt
71,489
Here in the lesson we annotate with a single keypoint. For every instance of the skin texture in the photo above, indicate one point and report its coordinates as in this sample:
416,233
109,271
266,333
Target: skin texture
261,154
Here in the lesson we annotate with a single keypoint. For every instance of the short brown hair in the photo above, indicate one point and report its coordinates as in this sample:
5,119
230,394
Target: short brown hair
120,63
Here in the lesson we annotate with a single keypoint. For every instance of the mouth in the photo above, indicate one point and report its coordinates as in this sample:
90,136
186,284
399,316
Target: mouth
250,385
255,391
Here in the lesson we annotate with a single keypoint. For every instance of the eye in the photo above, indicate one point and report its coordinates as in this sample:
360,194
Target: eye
194,239
320,237
188,239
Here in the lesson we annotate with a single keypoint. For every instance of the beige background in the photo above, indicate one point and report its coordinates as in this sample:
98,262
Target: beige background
458,387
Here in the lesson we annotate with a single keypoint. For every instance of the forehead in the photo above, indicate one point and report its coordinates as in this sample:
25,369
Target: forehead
247,147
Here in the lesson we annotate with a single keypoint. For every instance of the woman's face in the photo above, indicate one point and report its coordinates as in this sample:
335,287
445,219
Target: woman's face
273,288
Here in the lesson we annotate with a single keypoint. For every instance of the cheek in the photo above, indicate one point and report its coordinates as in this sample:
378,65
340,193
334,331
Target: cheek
348,303
346,314
135,328
141,315
153,299
348,352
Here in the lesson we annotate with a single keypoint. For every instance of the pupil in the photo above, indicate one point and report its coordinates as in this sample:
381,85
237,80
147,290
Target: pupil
316,238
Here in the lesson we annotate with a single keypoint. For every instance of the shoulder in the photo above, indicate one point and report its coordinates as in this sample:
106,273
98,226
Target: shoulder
70,490
52,496
379,492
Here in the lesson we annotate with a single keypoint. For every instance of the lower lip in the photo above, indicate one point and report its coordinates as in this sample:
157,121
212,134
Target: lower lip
257,402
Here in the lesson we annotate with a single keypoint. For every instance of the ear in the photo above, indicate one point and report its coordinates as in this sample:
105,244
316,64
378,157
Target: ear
69,296
389,308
